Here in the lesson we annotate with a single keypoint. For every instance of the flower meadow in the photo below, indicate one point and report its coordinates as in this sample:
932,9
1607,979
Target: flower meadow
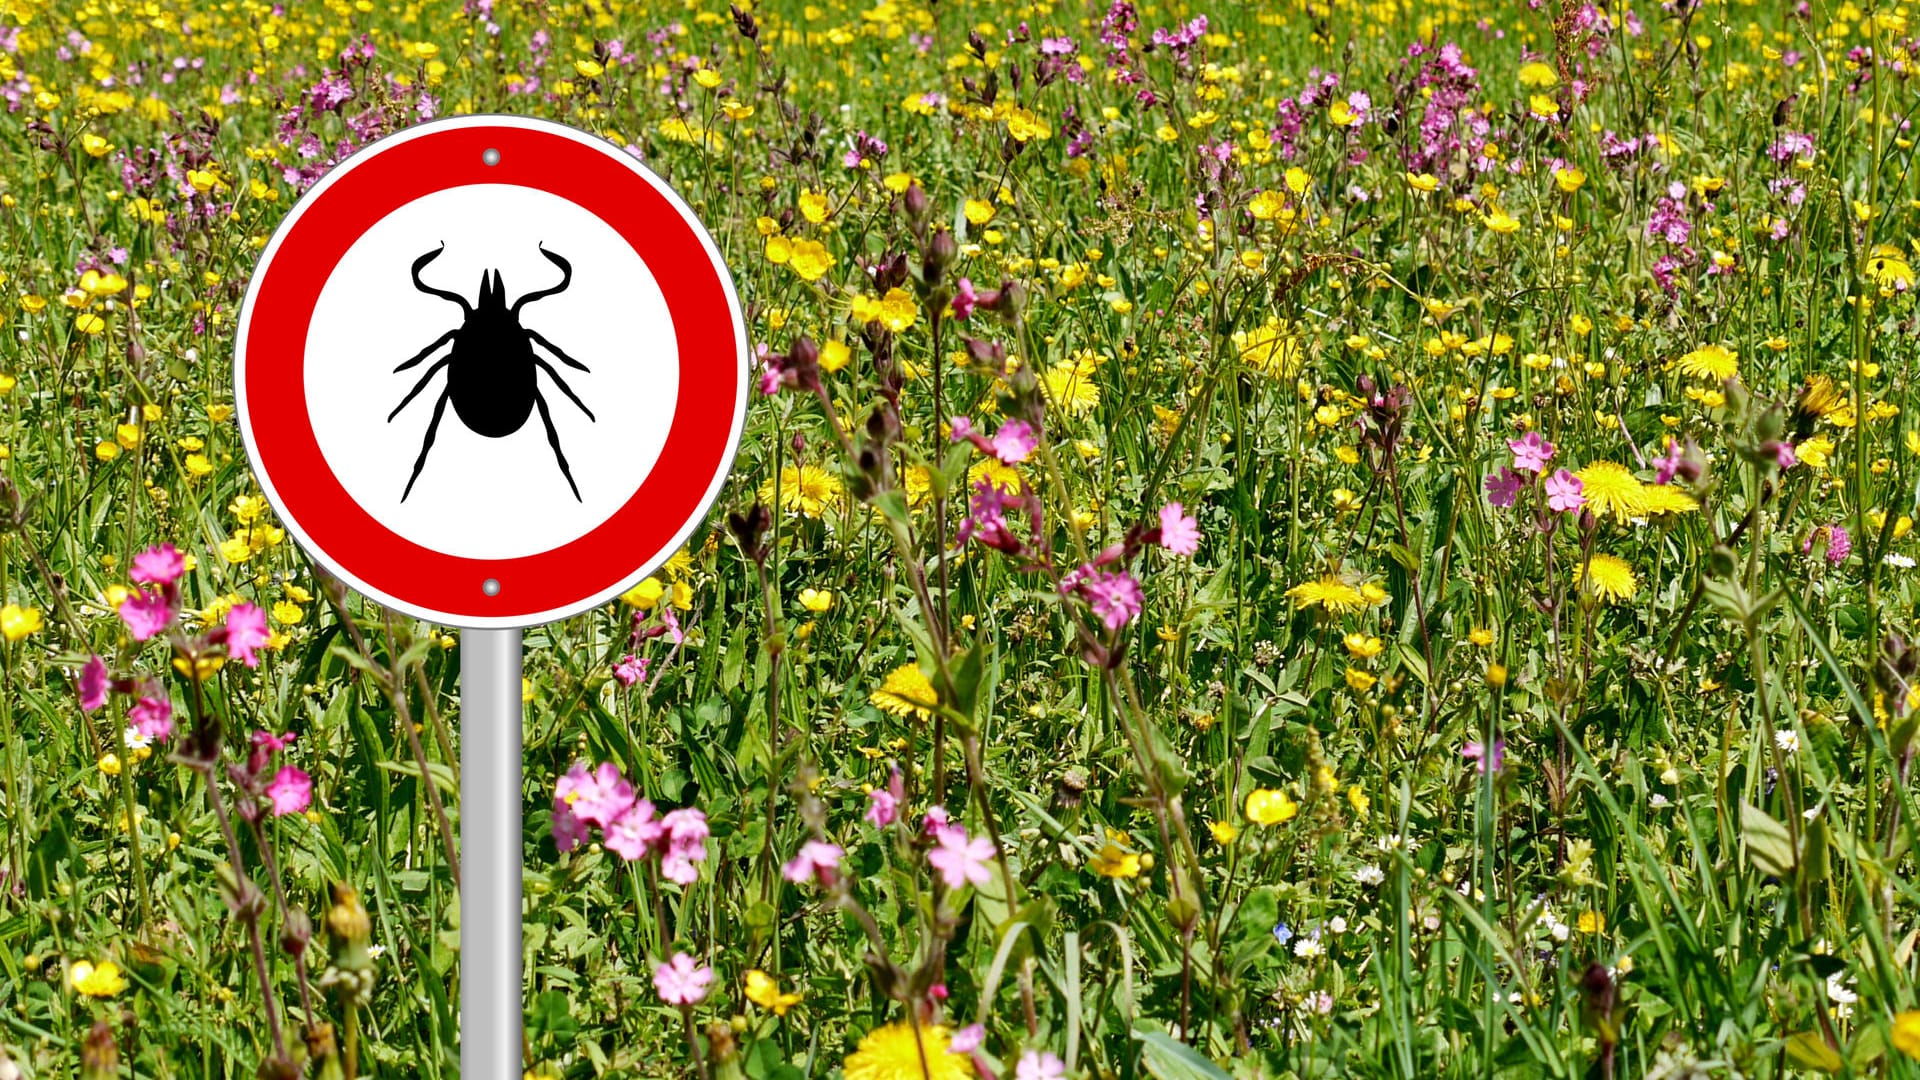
1300,539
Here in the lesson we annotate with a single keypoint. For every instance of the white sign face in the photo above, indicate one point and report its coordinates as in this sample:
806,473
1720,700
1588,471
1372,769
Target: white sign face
612,317
491,371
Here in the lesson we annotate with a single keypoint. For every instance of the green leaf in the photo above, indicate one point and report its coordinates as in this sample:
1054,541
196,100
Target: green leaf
1768,845
1809,1049
442,776
1168,1058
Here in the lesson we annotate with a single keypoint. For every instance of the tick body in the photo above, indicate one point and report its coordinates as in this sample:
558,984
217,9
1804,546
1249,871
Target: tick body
493,369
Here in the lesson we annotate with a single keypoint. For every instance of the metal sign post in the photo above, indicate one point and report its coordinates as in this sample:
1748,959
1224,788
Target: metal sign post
490,841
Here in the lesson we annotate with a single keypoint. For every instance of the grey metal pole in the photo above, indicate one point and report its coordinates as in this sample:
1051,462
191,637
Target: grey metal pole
490,1006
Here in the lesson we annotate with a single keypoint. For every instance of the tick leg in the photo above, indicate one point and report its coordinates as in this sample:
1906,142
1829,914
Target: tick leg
564,388
433,428
419,386
554,438
555,350
422,354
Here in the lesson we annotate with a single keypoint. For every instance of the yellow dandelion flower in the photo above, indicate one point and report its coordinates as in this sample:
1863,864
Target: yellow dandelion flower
1906,1033
1071,390
1333,595
898,1052
1005,478
807,488
1609,579
1716,362
1659,499
1612,491
905,691
1360,681
17,622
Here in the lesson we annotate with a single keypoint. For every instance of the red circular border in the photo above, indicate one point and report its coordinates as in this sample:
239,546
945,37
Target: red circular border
698,444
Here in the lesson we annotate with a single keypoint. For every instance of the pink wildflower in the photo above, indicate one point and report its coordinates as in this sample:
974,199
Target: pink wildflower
1530,452
569,831
161,565
1564,491
1015,442
152,716
631,669
686,833
246,631
599,797
634,832
816,859
1114,596
964,298
93,684
961,859
1179,530
1503,487
290,791
883,804
145,613
683,981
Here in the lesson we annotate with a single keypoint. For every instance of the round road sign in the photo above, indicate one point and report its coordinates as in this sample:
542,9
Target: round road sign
491,371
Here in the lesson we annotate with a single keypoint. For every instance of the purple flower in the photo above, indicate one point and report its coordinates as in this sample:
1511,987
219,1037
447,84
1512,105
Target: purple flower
161,565
1530,452
152,716
883,804
683,981
635,832
569,831
246,631
1666,467
686,833
599,797
1564,491
960,859
1114,596
986,520
964,298
968,1039
961,428
1477,753
93,684
631,669
1503,487
290,791
145,613
1015,442
1179,530
1839,543
816,859
1782,452
1038,1065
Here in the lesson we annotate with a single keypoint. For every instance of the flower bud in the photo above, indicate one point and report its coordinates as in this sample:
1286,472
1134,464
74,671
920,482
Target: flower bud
916,202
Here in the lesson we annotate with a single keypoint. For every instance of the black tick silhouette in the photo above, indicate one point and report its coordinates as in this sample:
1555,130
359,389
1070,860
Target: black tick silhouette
492,371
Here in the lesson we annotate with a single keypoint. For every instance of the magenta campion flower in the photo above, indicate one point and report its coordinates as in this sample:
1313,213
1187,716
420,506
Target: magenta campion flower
1839,543
290,791
1503,487
630,670
960,859
1114,596
1667,466
93,684
960,428
883,804
935,820
1015,442
246,631
161,565
1530,452
634,832
599,797
268,743
682,981
1564,491
145,613
1040,1065
1476,752
152,716
816,859
569,831
964,298
1783,454
1179,530
686,832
